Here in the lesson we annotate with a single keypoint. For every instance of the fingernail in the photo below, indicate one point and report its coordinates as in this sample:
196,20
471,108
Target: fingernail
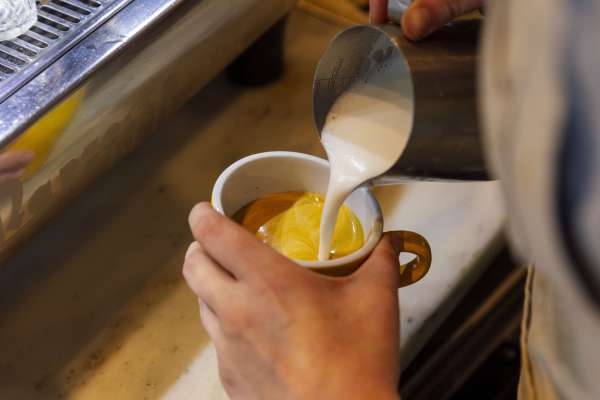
416,23
196,213
193,246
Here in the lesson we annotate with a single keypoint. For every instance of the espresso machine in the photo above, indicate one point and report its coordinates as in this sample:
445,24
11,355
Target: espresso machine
92,78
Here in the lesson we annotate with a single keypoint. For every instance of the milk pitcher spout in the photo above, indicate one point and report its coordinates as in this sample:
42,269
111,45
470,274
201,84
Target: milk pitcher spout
434,80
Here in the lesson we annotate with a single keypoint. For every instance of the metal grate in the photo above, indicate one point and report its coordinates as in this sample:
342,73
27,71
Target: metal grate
61,23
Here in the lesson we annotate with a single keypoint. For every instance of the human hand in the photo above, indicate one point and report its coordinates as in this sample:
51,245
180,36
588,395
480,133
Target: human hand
13,164
284,332
424,16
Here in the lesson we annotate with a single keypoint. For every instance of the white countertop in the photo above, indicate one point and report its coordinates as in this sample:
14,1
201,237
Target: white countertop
137,334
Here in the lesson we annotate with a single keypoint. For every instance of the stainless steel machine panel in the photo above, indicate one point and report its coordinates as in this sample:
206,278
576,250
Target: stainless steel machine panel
110,81
61,24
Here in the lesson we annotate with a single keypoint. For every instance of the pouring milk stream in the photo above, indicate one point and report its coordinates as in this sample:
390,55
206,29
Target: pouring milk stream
364,134
365,93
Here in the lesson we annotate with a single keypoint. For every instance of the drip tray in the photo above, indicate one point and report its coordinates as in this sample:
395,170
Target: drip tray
61,24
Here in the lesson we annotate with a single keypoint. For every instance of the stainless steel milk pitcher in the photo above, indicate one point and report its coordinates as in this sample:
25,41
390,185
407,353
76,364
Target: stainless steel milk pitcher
444,142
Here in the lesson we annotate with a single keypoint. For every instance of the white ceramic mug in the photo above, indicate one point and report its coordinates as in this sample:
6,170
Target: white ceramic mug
260,174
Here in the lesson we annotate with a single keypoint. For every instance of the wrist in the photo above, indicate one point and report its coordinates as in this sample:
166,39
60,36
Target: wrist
381,394
354,391
364,390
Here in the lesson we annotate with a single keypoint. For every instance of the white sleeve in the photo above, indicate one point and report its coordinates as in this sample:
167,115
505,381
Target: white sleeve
532,57
540,91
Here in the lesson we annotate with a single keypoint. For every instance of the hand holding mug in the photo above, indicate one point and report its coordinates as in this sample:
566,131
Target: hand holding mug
282,331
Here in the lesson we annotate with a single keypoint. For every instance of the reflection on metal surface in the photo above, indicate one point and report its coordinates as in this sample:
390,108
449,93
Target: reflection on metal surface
126,97
42,135
43,83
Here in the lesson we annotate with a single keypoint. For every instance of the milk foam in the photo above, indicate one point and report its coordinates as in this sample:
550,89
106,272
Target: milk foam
364,134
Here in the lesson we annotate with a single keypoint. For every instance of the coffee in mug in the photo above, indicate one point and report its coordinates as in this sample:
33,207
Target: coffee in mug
290,223
259,176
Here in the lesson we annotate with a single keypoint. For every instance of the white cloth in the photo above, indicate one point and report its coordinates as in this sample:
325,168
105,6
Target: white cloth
16,17
533,52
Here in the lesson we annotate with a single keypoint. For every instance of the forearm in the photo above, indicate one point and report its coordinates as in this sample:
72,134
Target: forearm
357,387
378,394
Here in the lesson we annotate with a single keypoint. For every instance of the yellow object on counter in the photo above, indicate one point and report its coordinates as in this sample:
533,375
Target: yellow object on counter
41,136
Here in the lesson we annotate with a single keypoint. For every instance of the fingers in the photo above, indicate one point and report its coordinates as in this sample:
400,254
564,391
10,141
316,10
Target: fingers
210,321
13,163
425,16
208,281
15,159
378,11
382,266
10,176
231,246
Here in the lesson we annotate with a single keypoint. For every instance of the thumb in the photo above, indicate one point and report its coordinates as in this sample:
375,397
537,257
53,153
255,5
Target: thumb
378,11
382,266
425,16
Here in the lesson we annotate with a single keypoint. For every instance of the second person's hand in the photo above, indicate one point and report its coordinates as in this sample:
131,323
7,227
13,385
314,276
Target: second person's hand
424,16
13,164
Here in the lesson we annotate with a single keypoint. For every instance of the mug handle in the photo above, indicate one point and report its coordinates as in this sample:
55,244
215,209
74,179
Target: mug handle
418,267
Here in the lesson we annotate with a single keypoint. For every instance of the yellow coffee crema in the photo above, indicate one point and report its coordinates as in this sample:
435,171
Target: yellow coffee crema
290,223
